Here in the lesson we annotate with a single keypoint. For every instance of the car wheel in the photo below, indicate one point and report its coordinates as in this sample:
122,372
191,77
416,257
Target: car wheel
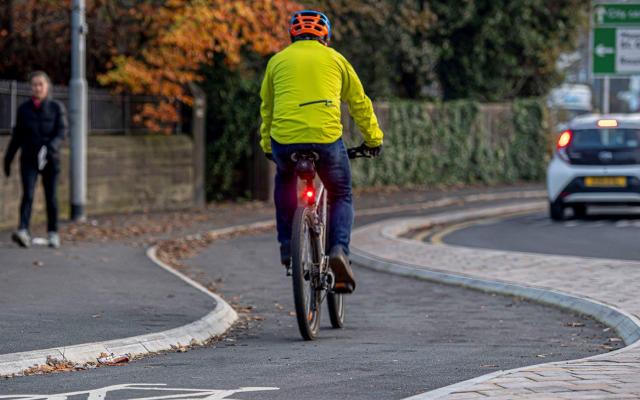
579,211
556,210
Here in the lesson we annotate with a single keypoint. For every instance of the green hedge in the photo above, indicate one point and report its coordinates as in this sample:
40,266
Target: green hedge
451,143
428,144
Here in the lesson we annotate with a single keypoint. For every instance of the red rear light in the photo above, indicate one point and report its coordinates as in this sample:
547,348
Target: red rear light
565,139
563,142
309,194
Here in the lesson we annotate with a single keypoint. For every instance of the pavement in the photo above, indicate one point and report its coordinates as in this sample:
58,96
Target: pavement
604,287
383,353
86,293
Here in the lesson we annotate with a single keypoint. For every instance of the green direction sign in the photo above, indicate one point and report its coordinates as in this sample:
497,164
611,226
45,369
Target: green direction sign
616,14
604,51
616,39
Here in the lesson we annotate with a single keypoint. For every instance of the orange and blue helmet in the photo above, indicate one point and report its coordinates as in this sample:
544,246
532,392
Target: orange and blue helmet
310,23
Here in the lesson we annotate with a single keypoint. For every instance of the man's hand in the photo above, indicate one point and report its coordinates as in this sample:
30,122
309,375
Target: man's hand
373,151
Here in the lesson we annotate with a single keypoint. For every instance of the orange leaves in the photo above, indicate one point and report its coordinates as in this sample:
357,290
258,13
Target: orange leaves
186,35
157,117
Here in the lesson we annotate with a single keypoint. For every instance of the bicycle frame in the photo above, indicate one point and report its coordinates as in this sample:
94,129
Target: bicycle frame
316,199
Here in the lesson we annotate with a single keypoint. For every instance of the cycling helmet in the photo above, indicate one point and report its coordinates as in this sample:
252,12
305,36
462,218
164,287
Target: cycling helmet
310,23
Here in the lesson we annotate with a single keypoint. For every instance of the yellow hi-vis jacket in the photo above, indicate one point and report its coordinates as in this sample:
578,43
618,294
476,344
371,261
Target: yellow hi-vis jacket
301,93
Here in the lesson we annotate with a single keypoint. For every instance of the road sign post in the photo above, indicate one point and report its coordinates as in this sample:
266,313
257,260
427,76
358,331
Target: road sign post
606,94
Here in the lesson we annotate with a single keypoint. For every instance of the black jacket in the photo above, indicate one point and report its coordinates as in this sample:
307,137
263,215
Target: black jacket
37,127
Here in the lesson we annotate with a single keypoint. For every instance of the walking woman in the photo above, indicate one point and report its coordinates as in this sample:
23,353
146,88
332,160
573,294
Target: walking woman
41,126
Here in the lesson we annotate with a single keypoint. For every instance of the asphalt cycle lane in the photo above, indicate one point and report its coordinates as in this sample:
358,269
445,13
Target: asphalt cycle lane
604,233
402,337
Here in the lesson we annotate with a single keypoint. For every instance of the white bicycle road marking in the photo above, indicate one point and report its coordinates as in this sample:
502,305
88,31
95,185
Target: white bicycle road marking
181,394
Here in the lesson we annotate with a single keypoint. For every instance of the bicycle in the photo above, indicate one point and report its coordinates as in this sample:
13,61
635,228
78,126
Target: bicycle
313,280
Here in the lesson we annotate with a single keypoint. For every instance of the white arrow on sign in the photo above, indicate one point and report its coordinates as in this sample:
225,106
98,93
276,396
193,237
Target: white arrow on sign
602,50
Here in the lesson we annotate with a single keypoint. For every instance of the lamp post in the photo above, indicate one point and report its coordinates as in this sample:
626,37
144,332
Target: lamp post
78,113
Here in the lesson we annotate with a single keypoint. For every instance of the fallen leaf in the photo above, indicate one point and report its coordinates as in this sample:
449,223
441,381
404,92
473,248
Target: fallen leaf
179,348
113,359
52,365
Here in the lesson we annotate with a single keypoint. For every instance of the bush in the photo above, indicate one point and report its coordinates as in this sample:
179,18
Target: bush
456,143
233,120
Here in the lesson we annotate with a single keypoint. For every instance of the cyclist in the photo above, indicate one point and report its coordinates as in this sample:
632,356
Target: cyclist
301,93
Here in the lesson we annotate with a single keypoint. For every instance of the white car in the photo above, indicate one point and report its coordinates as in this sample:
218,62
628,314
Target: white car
596,162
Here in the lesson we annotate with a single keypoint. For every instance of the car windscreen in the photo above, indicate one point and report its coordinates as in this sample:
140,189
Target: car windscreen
610,139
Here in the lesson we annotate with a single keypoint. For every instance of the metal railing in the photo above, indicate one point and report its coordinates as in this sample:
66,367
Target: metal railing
109,113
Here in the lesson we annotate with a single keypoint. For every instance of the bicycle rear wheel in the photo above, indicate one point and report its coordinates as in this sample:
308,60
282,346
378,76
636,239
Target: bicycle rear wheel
304,251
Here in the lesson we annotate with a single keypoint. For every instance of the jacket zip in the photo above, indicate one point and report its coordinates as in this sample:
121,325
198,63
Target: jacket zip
326,103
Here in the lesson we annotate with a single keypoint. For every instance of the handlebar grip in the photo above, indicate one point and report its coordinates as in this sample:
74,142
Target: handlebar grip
358,152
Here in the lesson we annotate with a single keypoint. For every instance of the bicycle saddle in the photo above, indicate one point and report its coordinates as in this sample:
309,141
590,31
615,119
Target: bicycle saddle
305,163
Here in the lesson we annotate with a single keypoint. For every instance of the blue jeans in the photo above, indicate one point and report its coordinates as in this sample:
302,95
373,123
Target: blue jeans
334,171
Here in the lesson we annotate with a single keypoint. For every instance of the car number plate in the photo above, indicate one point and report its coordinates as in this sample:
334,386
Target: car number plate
605,181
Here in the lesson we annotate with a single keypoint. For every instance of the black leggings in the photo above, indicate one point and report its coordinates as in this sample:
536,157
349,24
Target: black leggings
49,182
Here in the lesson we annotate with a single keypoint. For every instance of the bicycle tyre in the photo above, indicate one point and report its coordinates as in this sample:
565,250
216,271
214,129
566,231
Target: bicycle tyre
335,301
305,298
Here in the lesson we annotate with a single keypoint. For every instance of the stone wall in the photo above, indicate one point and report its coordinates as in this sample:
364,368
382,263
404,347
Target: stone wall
125,173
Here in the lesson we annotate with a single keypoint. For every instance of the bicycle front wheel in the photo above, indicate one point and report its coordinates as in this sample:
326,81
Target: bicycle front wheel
303,254
335,302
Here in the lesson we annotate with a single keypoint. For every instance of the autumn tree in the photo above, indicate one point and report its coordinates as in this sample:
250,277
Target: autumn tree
386,41
489,50
494,50
188,35
34,34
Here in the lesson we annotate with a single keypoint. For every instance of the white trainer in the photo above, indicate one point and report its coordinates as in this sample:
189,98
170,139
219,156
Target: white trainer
54,240
22,238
